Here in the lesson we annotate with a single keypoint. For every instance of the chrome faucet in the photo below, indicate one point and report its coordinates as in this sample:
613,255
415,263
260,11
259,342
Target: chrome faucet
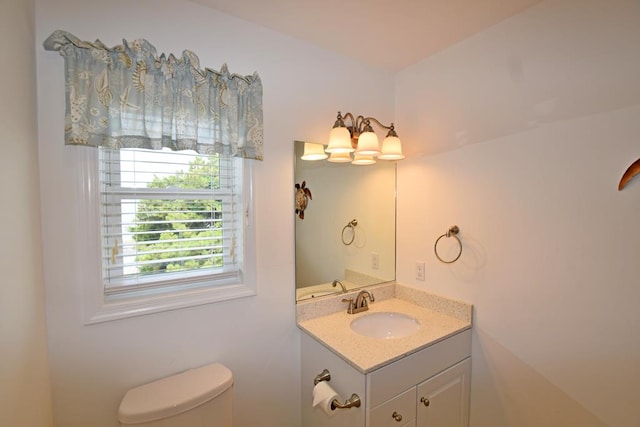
360,303
361,299
338,282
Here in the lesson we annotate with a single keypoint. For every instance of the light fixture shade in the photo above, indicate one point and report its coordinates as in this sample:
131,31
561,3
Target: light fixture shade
339,140
339,157
359,159
313,152
391,149
368,144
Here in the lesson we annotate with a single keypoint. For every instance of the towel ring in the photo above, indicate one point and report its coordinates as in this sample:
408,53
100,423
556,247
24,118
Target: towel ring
352,226
452,232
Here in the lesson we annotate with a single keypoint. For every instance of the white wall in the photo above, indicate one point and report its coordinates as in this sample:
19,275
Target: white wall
93,366
544,109
25,391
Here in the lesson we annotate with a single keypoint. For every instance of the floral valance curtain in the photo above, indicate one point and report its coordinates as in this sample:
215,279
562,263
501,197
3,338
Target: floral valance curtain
129,97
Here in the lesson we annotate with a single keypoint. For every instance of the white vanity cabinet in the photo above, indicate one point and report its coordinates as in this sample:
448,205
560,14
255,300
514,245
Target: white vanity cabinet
441,401
427,388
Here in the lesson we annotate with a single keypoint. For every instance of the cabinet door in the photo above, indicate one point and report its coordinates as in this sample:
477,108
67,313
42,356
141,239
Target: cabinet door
397,412
443,400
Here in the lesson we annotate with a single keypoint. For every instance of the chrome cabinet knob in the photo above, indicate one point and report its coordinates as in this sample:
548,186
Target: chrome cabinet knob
424,401
396,416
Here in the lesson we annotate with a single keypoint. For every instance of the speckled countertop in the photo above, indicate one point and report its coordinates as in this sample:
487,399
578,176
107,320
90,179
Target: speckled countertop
439,318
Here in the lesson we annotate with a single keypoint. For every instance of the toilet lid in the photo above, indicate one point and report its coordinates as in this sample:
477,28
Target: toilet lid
173,395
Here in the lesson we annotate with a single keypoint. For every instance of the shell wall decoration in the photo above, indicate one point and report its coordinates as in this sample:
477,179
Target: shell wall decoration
632,171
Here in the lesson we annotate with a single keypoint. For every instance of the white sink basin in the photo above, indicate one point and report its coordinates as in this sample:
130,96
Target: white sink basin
385,325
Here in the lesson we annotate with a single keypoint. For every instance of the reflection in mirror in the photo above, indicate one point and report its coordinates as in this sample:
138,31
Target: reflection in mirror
348,230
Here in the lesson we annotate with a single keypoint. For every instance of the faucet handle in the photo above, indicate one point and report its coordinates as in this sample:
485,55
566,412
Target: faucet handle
351,304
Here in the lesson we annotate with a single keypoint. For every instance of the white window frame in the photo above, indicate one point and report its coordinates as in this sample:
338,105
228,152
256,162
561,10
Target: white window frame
96,306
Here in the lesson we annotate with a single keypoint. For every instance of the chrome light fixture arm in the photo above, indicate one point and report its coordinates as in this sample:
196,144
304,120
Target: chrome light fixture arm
389,128
355,129
360,124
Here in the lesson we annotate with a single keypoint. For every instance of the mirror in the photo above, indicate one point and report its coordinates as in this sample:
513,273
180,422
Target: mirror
330,245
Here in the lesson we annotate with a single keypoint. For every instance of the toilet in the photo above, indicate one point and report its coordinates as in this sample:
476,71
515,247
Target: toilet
200,397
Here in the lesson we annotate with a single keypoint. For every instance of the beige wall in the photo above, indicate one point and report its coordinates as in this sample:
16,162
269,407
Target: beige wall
535,121
25,393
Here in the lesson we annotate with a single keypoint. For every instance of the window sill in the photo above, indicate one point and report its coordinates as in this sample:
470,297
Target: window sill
115,310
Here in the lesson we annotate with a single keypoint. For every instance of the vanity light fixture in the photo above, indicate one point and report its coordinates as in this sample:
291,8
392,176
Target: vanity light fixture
357,140
360,138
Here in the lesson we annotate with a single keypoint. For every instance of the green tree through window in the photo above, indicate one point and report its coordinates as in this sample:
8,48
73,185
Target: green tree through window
181,231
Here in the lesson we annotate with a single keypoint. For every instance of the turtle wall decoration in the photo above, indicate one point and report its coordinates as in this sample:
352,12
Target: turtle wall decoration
302,197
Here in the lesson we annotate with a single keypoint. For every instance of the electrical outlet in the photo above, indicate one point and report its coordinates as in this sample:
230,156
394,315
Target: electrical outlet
419,270
375,260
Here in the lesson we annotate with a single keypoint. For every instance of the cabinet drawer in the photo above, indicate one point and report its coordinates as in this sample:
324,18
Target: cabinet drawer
386,382
403,405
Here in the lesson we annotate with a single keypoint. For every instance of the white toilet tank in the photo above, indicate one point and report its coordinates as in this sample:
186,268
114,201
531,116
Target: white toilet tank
200,397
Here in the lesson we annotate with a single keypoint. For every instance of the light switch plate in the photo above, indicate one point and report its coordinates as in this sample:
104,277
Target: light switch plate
419,270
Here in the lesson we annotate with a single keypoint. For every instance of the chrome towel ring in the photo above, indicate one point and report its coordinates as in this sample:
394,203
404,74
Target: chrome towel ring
452,232
351,225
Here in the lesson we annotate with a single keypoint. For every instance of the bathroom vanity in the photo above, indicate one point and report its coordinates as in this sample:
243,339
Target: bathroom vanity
420,379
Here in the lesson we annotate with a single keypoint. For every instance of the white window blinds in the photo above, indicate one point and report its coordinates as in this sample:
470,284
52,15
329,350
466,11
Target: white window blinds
169,220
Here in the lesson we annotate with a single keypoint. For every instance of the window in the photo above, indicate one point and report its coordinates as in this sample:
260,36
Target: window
173,230
159,229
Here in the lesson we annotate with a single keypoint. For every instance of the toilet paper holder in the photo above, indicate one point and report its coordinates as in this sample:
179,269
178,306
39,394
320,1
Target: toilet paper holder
325,375
352,402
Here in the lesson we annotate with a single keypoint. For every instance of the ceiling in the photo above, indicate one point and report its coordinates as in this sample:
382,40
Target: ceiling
386,34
